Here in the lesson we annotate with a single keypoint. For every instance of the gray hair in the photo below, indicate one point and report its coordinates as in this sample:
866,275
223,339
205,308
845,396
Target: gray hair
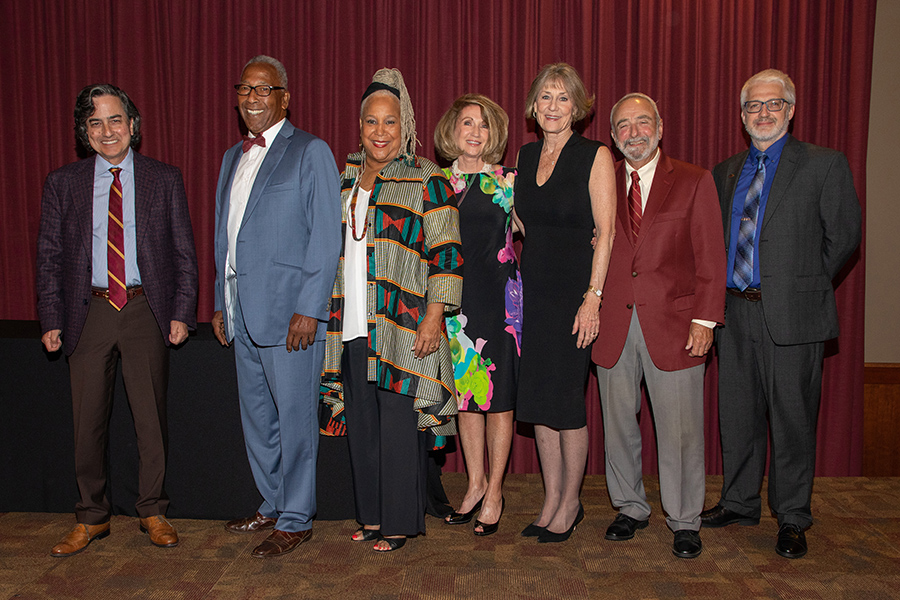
771,76
394,78
274,63
631,96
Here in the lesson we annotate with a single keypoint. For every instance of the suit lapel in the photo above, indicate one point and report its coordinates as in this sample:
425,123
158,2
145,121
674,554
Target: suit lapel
787,165
83,200
732,175
270,162
659,193
622,201
143,199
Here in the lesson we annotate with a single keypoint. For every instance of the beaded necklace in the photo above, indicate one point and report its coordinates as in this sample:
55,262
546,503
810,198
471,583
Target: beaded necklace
353,210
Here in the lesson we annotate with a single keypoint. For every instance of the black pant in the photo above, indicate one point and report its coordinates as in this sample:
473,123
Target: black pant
388,457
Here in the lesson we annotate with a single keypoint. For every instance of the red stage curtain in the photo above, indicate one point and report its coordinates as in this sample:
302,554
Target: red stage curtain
178,61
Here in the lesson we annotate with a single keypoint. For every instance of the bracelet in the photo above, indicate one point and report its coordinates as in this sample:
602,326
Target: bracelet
592,290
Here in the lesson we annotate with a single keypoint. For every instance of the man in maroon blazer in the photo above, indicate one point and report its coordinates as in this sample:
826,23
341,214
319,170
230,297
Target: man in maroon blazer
664,295
116,277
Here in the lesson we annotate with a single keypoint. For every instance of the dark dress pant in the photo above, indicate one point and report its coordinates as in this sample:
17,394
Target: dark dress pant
767,392
388,454
133,335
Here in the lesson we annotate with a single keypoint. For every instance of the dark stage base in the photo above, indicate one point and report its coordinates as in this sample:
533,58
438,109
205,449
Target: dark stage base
208,474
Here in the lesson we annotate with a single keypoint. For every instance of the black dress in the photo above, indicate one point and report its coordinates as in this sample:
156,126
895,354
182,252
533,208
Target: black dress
484,334
556,270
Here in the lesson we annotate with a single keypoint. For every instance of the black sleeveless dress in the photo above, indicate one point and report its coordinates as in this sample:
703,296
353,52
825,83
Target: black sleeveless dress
555,270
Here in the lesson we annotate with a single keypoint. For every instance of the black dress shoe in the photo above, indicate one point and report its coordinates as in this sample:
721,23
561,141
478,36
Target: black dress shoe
719,516
623,528
456,518
687,544
549,537
791,541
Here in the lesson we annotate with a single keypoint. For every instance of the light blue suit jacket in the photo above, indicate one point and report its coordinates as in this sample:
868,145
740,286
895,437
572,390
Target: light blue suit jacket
289,242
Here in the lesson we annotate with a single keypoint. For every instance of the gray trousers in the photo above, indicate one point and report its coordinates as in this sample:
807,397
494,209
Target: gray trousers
677,401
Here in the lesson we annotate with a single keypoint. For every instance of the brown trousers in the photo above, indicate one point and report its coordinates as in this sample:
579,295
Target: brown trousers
133,335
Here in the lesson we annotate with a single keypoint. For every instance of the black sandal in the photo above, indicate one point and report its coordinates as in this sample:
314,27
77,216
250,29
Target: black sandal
367,535
393,544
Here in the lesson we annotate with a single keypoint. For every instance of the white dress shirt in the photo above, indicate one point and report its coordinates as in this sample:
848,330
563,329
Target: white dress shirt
244,178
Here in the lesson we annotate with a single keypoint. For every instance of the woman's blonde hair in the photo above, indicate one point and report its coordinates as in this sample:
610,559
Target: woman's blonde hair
567,76
497,122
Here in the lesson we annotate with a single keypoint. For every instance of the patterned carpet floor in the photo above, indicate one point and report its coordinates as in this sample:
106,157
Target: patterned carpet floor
854,553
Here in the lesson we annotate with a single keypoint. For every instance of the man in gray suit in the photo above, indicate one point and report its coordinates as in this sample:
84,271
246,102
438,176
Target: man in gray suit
792,219
277,244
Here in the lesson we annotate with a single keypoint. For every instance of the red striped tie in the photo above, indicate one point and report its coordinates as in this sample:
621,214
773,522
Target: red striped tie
634,205
115,244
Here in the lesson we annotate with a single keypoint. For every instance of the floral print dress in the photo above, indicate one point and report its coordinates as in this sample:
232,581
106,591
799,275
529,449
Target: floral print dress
485,334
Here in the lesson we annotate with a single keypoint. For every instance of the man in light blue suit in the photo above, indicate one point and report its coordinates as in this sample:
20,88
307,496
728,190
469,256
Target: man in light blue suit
277,244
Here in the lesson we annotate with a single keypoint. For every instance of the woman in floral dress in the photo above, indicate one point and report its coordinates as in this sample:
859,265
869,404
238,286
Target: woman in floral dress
485,333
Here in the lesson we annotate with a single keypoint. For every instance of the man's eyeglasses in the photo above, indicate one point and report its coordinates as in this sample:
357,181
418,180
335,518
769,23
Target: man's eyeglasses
261,90
754,106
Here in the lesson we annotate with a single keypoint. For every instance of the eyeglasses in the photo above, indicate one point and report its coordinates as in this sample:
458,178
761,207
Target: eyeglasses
261,90
774,105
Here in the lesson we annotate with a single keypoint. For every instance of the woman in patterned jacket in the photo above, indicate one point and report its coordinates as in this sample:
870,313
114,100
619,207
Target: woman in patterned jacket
387,364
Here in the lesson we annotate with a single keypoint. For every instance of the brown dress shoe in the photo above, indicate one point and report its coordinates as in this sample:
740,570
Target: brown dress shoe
250,524
79,538
280,542
161,532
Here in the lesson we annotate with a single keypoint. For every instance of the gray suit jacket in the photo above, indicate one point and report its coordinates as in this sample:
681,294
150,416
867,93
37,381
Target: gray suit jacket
811,226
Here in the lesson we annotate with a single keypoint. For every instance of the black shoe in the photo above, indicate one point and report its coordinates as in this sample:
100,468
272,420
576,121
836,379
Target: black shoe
533,531
791,541
549,537
456,518
687,544
489,528
719,516
623,528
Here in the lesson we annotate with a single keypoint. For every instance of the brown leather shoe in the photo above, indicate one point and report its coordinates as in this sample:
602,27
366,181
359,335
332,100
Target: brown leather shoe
79,538
250,524
280,542
161,532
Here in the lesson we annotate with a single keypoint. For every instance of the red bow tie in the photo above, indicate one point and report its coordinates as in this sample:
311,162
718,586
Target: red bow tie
249,142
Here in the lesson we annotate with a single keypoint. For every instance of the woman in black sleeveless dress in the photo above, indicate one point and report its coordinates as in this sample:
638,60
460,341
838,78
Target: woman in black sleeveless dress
565,189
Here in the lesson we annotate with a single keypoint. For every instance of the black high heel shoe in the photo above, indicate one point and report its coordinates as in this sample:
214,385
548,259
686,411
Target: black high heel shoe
550,537
533,531
456,518
489,528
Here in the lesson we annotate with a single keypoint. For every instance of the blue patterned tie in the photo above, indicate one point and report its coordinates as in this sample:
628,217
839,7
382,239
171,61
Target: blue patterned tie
743,259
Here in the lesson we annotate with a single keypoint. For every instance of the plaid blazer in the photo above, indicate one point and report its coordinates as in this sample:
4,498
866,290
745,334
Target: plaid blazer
165,247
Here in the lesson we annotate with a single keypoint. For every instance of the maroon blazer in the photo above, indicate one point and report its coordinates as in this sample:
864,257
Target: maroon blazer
165,246
674,273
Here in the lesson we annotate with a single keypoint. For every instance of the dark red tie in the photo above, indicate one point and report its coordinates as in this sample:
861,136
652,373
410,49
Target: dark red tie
249,142
635,210
115,244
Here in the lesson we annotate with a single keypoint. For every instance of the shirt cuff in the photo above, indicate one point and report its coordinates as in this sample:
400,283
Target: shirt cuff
710,324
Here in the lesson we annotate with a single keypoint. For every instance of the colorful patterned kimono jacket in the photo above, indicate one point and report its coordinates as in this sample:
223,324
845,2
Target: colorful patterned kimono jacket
414,259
